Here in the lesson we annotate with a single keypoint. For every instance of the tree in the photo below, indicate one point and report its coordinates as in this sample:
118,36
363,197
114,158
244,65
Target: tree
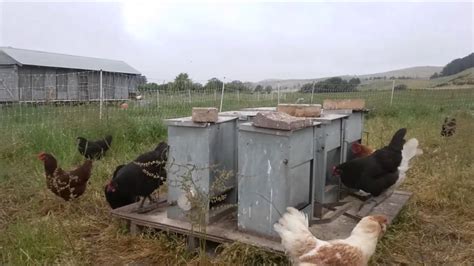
354,81
335,84
259,88
458,65
213,83
182,82
308,87
435,75
268,89
142,80
196,86
400,87
235,85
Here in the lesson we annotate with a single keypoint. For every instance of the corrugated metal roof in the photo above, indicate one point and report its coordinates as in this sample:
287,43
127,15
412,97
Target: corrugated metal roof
38,58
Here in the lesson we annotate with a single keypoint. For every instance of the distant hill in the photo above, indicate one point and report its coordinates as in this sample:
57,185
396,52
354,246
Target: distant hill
464,79
420,72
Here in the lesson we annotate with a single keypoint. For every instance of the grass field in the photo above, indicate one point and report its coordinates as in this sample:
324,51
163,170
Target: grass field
36,227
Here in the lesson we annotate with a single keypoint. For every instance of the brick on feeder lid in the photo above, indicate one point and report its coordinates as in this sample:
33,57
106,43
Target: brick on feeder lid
353,104
279,120
205,114
300,110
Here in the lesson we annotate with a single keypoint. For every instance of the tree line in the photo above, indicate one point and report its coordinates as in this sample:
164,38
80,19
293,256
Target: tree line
184,82
456,66
335,84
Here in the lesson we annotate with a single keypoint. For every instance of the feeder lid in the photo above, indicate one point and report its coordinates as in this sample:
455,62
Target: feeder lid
242,115
188,122
329,117
260,109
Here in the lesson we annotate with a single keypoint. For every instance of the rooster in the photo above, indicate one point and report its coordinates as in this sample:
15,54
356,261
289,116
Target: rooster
93,149
138,178
65,184
376,172
305,249
360,150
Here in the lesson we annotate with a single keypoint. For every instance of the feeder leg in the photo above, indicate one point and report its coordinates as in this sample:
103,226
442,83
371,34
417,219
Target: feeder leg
193,243
134,229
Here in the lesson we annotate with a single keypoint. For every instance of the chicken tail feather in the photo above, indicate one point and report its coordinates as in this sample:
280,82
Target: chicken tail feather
295,236
410,150
398,139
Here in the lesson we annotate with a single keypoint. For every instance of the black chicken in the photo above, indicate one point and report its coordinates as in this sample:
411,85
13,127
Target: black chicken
93,149
449,127
376,172
138,178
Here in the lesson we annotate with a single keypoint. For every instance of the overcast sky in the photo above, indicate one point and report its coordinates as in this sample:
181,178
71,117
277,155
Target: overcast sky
246,41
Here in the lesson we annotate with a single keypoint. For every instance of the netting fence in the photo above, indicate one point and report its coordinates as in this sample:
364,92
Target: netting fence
69,99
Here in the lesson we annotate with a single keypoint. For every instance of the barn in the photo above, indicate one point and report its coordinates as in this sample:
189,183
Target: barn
36,76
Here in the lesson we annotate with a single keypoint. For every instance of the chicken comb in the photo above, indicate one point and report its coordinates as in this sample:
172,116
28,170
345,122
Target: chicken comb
356,147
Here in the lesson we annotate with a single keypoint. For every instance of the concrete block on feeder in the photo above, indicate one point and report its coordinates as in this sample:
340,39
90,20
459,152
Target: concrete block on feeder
300,110
205,114
352,104
279,120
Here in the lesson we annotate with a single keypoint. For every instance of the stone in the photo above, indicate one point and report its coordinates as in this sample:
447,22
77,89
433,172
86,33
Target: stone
300,110
205,114
353,104
279,120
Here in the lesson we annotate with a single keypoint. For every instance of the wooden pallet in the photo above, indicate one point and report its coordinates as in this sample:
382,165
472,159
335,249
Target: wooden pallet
225,230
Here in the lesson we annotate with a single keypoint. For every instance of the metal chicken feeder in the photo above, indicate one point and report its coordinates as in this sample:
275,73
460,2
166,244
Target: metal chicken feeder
200,154
275,169
329,151
354,128
271,170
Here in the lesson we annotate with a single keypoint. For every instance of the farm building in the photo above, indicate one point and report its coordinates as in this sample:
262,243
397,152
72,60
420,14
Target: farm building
35,76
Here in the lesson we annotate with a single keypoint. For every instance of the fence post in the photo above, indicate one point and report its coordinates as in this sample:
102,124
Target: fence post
258,96
312,93
393,89
215,95
278,93
222,95
101,95
158,98
238,97
189,94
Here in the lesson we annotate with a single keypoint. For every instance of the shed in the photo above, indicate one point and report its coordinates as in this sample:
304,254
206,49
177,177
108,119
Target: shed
36,76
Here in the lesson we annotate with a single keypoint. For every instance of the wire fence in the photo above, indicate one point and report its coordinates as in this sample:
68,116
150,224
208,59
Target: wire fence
69,99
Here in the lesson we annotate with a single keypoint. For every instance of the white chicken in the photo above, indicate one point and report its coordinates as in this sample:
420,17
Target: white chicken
305,249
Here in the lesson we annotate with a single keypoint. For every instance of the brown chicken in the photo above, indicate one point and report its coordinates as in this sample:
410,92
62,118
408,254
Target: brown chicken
65,184
361,150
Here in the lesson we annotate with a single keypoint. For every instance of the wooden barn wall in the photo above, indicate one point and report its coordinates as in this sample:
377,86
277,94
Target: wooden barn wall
9,83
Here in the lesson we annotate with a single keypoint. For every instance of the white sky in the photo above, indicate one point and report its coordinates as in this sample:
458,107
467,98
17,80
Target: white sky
246,41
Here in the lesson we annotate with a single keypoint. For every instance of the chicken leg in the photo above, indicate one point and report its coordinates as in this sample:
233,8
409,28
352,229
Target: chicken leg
153,204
